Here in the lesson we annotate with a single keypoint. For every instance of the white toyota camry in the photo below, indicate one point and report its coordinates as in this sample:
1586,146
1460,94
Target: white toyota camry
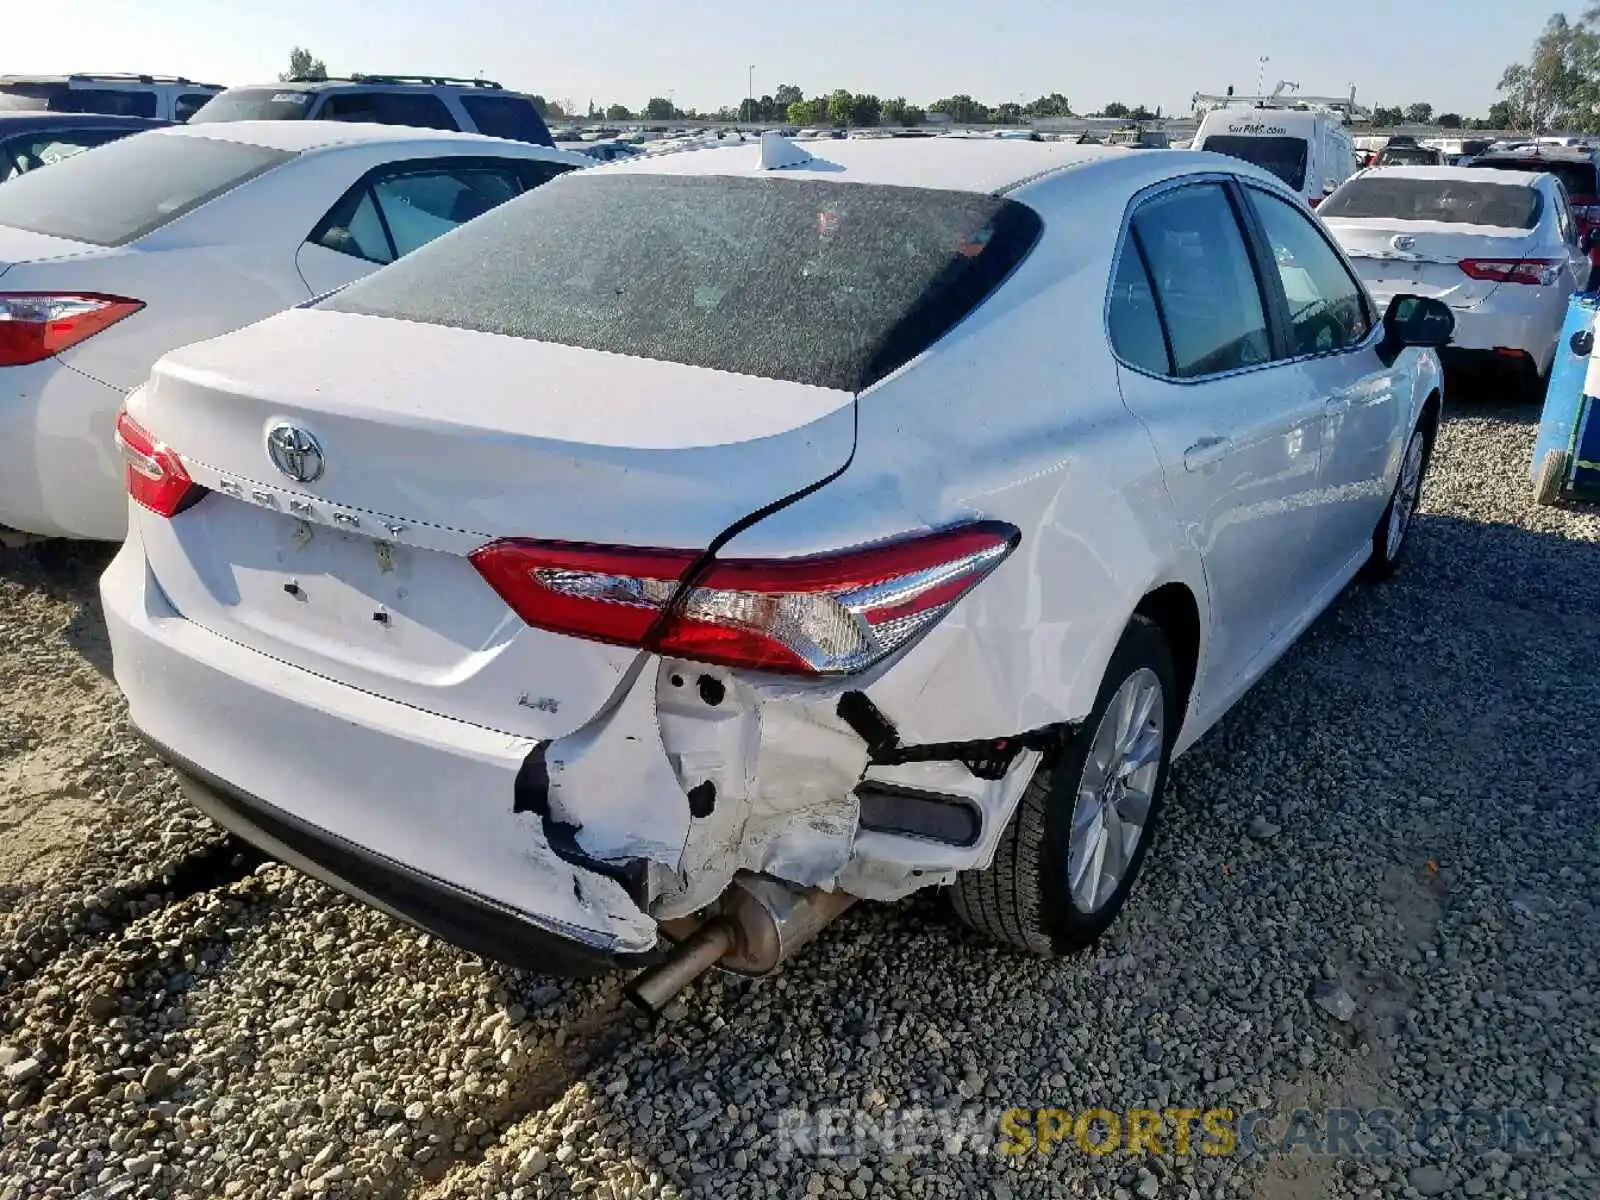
678,553
113,257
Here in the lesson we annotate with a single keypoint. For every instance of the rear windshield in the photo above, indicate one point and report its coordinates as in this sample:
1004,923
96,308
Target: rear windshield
255,104
1577,177
1455,201
507,117
823,283
1285,157
1407,156
125,189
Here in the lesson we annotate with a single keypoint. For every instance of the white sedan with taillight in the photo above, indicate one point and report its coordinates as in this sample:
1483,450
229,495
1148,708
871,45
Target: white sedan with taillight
112,257
1501,248
682,552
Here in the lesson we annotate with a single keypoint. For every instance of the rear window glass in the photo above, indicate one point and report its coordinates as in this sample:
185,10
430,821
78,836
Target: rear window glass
255,104
1285,157
121,191
1454,201
1577,177
815,282
507,117
1407,156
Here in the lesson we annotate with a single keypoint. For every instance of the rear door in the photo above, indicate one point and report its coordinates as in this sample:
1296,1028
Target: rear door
1333,333
1238,432
398,208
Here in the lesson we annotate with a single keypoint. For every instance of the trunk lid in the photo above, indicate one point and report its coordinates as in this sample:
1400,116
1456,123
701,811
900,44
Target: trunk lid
23,246
433,441
1424,258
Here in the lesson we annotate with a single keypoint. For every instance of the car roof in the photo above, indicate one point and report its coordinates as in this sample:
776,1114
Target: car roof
314,135
985,165
1465,174
25,121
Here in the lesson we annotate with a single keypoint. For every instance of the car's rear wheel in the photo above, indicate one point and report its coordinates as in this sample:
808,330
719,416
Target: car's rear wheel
1389,538
1067,860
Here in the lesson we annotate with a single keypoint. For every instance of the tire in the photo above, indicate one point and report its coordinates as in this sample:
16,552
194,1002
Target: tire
1388,545
1025,898
1552,477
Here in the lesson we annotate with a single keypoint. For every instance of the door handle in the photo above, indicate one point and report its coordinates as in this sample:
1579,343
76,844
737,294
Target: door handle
1206,452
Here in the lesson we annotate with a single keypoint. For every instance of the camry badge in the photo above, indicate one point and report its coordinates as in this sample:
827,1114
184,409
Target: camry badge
295,452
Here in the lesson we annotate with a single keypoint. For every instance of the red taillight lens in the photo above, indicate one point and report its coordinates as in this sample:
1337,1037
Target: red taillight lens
35,325
156,478
828,614
1541,272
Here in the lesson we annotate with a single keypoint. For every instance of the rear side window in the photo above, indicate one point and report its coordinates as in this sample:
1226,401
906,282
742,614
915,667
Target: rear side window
816,282
130,187
507,117
385,217
1285,157
1451,201
1135,319
420,109
255,104
1204,281
108,101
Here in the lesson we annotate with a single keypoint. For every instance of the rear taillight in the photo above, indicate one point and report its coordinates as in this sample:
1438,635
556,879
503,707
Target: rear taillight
1541,272
828,614
156,478
35,325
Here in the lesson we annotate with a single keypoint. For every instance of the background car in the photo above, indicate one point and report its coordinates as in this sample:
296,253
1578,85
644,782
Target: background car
1502,249
113,257
1409,155
608,151
164,97
1577,169
707,541
425,101
30,140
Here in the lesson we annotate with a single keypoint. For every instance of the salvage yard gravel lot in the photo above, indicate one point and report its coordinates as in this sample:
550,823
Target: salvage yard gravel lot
1400,827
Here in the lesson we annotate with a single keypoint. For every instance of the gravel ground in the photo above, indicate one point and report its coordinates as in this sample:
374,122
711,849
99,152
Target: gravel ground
1378,885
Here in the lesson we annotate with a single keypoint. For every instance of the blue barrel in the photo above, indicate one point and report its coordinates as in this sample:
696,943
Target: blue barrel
1566,405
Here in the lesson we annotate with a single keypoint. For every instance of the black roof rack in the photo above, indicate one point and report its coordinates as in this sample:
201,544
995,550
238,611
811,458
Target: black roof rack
424,80
134,77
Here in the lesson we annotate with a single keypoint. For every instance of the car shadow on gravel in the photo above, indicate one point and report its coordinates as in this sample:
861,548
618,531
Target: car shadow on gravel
70,572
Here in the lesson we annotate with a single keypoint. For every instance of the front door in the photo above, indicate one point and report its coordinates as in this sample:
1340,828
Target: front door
1237,433
1333,357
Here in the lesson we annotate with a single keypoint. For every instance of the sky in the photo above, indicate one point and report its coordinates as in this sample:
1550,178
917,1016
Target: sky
1449,53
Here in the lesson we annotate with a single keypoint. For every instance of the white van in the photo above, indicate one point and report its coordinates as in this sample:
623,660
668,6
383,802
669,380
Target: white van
1309,149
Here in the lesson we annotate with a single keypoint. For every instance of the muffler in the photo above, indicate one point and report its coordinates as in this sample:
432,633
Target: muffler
759,923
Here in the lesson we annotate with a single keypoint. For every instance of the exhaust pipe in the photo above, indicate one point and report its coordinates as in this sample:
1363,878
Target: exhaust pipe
761,923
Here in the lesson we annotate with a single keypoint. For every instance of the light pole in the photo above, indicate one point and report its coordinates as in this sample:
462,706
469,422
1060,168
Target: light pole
1261,75
672,100
750,90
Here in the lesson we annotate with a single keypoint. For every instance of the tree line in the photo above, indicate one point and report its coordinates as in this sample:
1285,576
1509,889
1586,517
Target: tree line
1559,86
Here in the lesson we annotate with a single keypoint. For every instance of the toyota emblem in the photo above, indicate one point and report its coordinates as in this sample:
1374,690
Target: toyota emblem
1403,241
295,452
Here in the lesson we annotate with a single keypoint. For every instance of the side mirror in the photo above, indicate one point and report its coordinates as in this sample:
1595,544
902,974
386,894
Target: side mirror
1590,241
1415,321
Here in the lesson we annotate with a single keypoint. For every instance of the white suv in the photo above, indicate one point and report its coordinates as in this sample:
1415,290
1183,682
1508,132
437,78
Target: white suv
694,546
428,101
165,97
